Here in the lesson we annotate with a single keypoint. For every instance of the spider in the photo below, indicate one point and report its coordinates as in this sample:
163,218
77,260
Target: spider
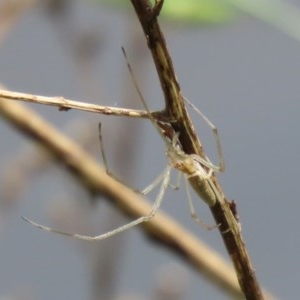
196,170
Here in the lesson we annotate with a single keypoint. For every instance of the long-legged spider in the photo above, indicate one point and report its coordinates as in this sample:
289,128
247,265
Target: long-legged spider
196,170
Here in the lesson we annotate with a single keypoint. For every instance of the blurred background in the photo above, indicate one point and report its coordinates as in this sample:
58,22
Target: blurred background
240,65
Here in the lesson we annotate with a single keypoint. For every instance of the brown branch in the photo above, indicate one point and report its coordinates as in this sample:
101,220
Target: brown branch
178,117
162,229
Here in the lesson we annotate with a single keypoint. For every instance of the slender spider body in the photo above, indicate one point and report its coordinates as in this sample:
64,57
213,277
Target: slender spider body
194,172
195,169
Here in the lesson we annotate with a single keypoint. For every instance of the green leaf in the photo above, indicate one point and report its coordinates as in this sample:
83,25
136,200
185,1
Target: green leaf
198,11
278,13
187,11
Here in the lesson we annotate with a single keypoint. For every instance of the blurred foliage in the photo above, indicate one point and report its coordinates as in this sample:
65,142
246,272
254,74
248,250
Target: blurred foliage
188,11
278,13
198,11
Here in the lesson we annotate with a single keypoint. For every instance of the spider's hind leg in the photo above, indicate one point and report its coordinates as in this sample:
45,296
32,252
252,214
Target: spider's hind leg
105,164
154,209
221,165
193,212
108,172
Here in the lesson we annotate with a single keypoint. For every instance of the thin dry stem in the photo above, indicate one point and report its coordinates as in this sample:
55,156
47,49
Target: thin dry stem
65,104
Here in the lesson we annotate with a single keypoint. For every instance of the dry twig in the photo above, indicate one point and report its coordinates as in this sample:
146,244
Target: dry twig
64,104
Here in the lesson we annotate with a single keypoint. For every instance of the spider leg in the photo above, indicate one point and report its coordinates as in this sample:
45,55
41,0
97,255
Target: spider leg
154,209
200,170
155,183
105,164
221,166
193,210
102,151
178,181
